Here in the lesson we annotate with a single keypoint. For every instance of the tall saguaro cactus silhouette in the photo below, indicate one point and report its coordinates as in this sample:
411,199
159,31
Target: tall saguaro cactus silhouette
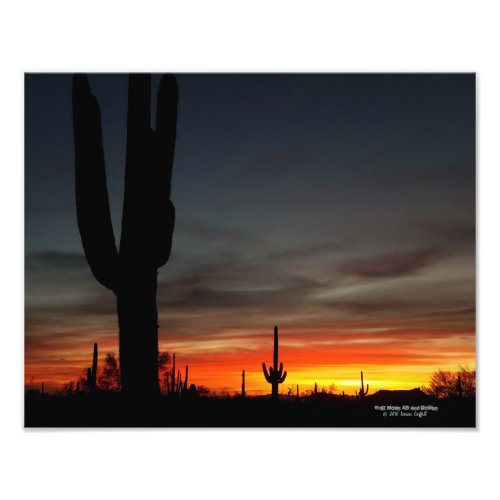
362,392
275,375
147,218
92,372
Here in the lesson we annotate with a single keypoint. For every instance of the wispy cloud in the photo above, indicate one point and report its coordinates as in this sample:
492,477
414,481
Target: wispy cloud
392,264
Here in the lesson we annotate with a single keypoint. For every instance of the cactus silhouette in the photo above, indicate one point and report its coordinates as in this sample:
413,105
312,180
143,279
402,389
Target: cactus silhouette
185,386
362,392
173,380
275,376
171,383
243,394
147,218
91,381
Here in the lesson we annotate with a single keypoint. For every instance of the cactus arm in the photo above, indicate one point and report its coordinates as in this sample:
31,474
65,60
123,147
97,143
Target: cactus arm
147,227
139,110
136,239
92,202
166,125
266,374
282,379
367,388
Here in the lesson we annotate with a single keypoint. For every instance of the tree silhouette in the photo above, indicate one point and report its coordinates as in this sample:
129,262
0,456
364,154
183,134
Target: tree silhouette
441,385
109,380
147,219
468,381
163,361
445,384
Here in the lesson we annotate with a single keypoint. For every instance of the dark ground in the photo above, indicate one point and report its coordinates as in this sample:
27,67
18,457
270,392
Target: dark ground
111,410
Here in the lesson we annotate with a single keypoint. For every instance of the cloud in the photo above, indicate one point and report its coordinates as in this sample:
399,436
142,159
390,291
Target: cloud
52,259
392,265
200,293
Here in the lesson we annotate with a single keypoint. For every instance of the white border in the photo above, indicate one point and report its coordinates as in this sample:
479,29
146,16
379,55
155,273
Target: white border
248,36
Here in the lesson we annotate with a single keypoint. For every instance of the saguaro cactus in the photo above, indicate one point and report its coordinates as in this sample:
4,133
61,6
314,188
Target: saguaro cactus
243,394
275,376
362,392
147,219
171,385
92,372
185,386
173,380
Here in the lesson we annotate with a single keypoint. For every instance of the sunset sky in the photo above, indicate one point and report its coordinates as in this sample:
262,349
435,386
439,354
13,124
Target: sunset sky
340,208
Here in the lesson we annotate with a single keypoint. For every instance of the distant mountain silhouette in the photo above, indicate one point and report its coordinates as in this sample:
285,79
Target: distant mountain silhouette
409,396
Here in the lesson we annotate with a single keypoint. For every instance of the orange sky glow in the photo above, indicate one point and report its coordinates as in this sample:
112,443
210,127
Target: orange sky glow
391,358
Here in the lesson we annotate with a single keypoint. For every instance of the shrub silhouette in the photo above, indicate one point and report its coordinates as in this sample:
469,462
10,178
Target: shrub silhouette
459,386
446,384
275,376
147,218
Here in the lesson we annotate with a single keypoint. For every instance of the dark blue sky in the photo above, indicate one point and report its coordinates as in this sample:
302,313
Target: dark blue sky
257,152
299,198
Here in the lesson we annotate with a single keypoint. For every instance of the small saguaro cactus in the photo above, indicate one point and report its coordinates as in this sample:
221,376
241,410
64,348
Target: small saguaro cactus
92,372
171,385
175,386
185,386
243,393
275,376
130,272
315,388
297,391
362,392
